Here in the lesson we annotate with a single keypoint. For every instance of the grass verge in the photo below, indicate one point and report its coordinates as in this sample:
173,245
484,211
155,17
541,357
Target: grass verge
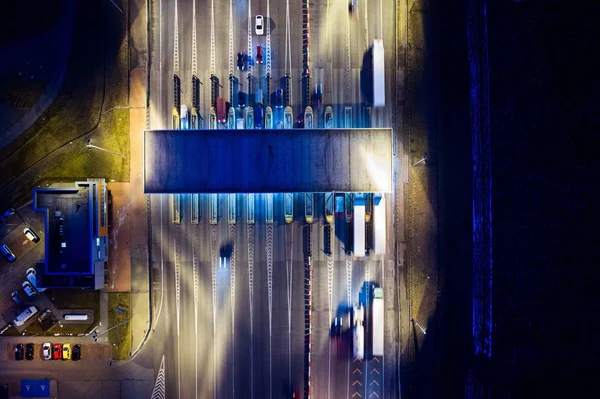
96,81
119,337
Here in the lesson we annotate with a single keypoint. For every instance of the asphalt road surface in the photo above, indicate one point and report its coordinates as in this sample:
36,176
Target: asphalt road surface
237,329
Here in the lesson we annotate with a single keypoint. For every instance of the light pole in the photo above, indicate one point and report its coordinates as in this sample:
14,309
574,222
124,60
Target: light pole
421,328
95,334
90,146
422,160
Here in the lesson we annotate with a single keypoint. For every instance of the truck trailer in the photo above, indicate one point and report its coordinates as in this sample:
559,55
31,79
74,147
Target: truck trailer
359,225
379,224
377,322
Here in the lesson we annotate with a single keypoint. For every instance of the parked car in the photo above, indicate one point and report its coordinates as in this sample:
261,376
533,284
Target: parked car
28,288
29,351
76,352
66,354
7,253
47,351
259,54
30,234
57,350
32,277
19,352
7,213
16,297
4,391
258,25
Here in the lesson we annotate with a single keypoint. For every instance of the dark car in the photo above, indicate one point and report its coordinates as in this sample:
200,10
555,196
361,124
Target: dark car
242,99
278,98
76,355
4,391
240,61
8,253
19,352
29,352
7,213
338,326
318,98
258,117
259,54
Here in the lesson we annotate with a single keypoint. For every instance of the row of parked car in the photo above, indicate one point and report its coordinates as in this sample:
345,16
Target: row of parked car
49,351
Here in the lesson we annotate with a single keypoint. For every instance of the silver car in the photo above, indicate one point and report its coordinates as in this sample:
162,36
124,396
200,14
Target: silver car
47,351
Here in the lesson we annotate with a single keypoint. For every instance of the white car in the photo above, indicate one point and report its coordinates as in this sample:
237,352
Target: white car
47,351
31,235
28,288
31,276
258,25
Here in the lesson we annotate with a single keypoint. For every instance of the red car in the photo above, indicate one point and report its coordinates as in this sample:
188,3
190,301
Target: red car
259,54
57,350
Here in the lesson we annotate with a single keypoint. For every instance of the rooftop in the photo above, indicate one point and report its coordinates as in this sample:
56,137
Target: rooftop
69,234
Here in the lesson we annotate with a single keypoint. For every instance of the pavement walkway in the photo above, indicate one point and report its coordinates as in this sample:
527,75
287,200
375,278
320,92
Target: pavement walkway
129,237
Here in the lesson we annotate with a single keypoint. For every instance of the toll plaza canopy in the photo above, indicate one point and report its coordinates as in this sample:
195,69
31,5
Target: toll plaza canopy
267,161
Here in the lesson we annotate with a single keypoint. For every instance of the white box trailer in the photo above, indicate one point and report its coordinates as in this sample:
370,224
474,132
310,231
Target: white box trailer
378,324
359,225
378,74
379,224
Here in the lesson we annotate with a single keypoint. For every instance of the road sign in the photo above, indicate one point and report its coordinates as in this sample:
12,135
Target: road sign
35,388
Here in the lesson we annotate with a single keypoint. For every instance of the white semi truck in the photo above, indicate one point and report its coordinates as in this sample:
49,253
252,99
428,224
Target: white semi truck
358,332
377,322
379,224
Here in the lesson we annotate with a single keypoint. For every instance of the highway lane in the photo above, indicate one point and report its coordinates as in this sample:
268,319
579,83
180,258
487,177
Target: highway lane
271,372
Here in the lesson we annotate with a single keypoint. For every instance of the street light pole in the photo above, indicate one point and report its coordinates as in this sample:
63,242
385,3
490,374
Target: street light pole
422,160
90,146
421,328
95,335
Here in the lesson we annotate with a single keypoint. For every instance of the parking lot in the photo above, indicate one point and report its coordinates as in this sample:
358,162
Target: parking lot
89,351
27,253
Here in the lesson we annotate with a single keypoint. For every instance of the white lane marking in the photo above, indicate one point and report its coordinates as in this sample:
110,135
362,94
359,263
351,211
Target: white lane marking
213,258
162,261
349,298
250,231
232,235
195,264
194,55
269,249
330,296
158,392
290,276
